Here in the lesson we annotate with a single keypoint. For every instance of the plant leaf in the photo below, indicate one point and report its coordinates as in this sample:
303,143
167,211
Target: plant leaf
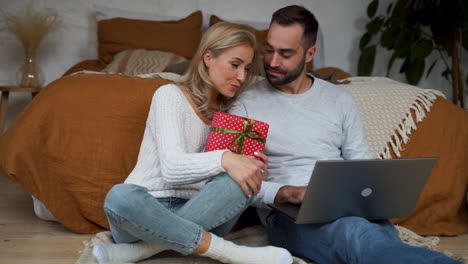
365,39
430,69
389,36
389,8
372,8
446,73
405,65
403,51
422,49
366,61
415,71
374,26
399,9
403,43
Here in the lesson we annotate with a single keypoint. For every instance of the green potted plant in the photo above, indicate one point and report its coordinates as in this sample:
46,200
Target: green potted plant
412,30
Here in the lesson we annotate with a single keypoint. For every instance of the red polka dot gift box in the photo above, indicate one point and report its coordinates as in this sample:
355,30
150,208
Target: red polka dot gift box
236,133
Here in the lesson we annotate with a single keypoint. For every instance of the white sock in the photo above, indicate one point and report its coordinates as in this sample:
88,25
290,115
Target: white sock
125,252
41,210
228,252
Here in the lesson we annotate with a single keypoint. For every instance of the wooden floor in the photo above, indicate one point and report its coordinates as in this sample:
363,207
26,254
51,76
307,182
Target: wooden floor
26,239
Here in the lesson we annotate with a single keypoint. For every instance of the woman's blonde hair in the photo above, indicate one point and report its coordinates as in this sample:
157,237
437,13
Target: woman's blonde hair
218,38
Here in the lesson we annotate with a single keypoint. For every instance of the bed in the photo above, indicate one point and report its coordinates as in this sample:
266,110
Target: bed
82,133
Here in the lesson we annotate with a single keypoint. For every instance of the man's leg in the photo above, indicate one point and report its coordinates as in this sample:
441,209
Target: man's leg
348,240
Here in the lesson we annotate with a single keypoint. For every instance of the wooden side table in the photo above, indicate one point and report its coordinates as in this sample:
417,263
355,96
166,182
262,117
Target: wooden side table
6,90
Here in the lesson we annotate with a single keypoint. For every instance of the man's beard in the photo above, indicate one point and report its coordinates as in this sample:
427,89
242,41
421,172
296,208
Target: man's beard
287,77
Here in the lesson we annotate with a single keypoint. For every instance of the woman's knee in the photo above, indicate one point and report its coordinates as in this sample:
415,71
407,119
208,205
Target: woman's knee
231,188
121,197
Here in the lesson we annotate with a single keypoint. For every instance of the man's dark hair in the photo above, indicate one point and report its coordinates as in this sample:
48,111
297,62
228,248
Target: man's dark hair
292,14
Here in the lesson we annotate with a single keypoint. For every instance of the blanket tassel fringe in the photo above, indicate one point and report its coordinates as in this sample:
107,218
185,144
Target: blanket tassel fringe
421,105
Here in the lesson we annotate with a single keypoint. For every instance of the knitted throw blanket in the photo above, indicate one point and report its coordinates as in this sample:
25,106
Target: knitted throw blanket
385,106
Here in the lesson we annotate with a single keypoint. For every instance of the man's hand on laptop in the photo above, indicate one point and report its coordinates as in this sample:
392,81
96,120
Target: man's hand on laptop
290,194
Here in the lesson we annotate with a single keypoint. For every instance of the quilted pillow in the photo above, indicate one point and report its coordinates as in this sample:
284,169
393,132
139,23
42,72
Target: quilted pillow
140,61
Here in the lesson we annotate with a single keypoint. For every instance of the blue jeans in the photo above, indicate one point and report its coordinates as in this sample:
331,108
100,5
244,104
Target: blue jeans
134,214
347,240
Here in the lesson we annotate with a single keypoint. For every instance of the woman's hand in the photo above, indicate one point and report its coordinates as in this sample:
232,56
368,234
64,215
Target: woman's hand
265,164
245,170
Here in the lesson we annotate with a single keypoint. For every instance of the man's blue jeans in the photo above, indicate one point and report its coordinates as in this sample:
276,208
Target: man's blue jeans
347,240
134,214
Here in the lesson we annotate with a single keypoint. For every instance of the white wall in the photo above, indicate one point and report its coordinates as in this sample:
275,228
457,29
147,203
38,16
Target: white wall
341,22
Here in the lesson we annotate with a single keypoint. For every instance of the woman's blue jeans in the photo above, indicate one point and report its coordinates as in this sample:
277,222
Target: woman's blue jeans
174,223
347,240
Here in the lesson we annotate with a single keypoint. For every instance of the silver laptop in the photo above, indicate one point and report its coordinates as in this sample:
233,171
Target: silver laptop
373,189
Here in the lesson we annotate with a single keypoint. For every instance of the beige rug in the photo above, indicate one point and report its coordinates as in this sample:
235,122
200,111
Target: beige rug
252,236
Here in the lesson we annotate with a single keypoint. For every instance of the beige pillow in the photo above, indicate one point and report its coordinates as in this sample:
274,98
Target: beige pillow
140,61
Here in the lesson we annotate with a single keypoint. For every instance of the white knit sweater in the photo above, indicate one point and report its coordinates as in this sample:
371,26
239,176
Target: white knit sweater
171,161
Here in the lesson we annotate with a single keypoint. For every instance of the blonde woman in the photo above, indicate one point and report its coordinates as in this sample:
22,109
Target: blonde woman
178,197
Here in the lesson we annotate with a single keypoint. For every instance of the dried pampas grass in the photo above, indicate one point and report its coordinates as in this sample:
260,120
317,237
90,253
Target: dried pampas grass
30,26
